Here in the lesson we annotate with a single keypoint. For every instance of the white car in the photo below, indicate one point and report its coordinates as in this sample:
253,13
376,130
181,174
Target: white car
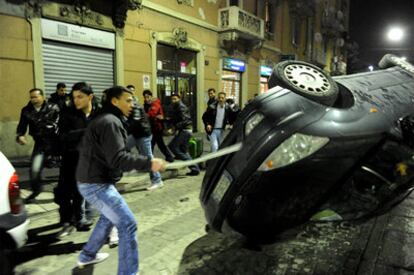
13,216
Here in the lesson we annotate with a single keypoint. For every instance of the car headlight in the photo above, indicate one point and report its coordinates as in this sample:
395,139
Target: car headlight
295,148
252,122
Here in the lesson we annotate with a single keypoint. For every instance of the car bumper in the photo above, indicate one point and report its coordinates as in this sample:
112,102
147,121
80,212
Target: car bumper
19,233
16,227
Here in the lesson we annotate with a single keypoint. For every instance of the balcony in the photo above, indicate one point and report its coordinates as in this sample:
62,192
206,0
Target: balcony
239,30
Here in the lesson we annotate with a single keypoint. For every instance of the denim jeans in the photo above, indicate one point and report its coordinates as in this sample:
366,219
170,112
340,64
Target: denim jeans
215,139
179,146
143,145
114,211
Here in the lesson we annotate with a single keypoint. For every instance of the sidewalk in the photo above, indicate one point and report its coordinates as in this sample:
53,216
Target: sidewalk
169,219
44,202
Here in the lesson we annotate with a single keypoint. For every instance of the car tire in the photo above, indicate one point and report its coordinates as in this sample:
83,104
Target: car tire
391,60
306,80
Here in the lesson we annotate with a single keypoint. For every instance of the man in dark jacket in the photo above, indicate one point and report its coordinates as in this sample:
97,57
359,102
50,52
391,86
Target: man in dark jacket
215,119
211,96
102,159
72,124
42,119
179,116
155,114
60,98
139,131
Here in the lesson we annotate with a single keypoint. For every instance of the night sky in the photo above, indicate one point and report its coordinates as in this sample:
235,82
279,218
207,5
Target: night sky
369,22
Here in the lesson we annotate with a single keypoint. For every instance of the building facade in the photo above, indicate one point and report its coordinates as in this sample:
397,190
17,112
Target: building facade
184,46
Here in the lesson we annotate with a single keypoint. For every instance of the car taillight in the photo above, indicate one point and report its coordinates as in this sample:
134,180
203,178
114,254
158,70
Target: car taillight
14,195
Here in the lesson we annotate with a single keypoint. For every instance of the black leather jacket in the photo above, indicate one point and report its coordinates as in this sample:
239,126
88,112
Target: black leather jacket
138,124
72,126
103,155
60,101
179,116
209,116
43,124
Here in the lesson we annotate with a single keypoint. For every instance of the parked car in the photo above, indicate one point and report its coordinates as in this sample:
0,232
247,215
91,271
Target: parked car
306,139
13,216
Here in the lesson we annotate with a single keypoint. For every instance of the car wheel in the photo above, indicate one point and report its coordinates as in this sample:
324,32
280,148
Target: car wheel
390,60
305,79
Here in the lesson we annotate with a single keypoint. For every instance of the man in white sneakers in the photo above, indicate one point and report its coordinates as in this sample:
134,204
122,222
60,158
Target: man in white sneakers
103,158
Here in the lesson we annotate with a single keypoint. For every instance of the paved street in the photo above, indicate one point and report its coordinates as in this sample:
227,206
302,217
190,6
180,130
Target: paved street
172,240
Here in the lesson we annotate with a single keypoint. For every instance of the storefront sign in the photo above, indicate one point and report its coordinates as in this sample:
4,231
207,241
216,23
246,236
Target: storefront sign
65,32
234,65
265,71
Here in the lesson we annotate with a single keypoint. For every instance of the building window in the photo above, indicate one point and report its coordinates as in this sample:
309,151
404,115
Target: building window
295,31
266,9
237,3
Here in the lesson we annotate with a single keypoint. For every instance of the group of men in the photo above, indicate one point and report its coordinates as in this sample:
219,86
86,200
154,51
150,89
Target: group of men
94,140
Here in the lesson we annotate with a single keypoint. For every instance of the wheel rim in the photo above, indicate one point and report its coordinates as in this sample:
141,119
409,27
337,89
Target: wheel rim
307,79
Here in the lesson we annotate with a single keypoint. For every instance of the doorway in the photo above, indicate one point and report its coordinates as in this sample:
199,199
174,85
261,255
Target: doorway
176,73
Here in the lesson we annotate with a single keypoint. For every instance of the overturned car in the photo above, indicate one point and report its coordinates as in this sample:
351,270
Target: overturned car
310,140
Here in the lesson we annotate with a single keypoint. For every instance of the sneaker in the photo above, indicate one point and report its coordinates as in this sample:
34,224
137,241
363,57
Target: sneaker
193,173
155,186
65,231
100,257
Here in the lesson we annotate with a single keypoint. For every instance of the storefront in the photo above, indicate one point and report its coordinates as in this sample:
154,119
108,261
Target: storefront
72,53
177,73
265,73
232,78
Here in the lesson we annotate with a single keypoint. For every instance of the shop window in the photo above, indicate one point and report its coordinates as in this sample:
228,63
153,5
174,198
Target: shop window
231,84
263,84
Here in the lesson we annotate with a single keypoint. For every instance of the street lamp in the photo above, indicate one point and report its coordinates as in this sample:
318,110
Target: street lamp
395,34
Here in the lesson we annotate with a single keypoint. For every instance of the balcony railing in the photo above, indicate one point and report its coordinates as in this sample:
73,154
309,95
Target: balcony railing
234,19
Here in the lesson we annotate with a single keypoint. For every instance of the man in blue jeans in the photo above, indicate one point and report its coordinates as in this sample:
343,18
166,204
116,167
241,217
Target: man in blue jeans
102,159
139,130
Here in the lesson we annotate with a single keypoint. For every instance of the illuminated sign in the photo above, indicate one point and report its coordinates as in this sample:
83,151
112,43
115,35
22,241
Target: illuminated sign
266,71
234,65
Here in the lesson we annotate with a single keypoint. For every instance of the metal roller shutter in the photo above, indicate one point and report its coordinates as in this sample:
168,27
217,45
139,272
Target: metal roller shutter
70,63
